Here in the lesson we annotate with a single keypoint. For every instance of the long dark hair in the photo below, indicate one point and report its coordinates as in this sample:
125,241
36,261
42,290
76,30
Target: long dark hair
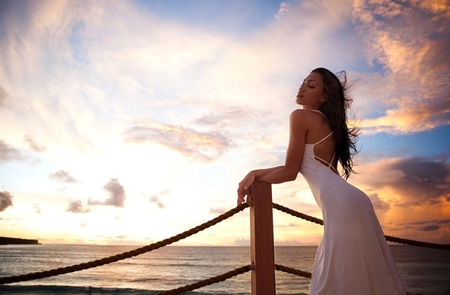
335,110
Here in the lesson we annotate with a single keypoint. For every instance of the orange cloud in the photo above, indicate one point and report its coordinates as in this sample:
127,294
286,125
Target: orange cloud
408,41
411,196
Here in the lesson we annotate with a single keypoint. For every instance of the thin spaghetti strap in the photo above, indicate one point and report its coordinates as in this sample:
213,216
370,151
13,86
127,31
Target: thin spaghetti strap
328,164
317,111
323,139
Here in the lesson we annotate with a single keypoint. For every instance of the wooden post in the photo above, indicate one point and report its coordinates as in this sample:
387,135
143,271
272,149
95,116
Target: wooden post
262,251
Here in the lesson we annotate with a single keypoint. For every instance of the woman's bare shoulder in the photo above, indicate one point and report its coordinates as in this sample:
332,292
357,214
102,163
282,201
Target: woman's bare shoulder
304,116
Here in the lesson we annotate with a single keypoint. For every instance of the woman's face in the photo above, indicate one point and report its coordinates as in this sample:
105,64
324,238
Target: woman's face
311,94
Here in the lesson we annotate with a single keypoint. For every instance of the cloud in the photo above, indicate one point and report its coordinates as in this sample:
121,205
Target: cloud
231,117
33,144
379,204
409,40
282,10
155,199
242,242
116,195
63,176
76,207
74,83
8,153
5,200
419,180
37,208
440,8
289,225
205,146
427,225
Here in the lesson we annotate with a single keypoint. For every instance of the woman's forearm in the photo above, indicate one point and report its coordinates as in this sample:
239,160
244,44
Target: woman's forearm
280,175
261,172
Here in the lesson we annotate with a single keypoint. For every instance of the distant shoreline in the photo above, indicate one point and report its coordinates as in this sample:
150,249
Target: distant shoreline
17,241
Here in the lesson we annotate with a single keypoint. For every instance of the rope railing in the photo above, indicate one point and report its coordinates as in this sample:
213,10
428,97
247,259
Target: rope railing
125,255
207,282
293,271
417,243
388,238
190,232
297,214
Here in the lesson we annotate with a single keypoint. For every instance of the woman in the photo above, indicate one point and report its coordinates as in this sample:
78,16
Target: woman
353,256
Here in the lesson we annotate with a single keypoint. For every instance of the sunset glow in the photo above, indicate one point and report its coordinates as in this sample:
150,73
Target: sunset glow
127,122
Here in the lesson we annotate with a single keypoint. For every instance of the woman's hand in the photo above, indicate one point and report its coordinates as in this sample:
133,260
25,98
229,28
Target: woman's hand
244,186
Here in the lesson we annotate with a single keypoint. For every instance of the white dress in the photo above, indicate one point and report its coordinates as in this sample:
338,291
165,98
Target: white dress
353,257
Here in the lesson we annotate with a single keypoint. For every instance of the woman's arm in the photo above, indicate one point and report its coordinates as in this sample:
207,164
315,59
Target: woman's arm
294,156
250,178
294,153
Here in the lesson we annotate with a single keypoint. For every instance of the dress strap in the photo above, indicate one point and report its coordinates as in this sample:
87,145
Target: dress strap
329,134
329,165
317,111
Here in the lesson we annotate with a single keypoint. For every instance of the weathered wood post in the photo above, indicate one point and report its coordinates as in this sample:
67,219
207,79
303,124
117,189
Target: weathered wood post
261,240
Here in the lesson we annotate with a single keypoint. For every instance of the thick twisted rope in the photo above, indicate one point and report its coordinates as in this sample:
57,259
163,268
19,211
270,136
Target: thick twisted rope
418,243
125,255
388,238
293,271
207,282
297,214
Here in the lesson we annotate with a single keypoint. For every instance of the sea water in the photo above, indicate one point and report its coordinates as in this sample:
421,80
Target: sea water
424,271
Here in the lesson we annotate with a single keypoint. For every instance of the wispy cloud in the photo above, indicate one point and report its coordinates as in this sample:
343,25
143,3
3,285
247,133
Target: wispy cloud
155,198
33,144
204,146
282,10
157,201
63,176
427,225
8,153
408,40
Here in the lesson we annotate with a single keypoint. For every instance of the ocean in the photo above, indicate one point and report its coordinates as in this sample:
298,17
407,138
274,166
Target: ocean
424,271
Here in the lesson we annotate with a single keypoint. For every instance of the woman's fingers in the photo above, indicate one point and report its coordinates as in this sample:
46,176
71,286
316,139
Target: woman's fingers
244,186
241,194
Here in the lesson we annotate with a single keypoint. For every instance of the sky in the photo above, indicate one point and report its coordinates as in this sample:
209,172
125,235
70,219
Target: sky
127,122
